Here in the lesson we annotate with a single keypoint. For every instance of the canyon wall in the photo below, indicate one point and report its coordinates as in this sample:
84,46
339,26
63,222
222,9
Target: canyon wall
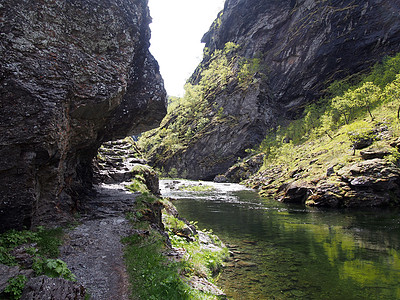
73,74
294,49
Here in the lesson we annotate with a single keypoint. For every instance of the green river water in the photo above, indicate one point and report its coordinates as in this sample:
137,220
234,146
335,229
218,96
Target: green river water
292,252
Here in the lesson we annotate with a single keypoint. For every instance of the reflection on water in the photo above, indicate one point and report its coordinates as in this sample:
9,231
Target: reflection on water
289,252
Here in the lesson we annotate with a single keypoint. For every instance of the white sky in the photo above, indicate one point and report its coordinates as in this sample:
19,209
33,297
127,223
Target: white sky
176,32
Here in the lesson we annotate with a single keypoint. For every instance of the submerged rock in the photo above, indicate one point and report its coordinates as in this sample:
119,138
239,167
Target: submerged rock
73,74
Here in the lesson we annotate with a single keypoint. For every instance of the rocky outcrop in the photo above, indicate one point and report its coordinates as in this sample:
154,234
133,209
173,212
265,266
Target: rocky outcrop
294,49
242,170
73,74
369,183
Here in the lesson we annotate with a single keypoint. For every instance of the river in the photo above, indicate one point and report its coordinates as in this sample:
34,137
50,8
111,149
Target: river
283,251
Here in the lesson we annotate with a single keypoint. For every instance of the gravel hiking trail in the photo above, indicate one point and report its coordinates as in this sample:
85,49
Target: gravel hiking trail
93,250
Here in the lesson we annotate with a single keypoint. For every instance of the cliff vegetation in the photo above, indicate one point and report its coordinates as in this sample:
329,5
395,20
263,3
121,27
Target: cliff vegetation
263,63
196,115
344,151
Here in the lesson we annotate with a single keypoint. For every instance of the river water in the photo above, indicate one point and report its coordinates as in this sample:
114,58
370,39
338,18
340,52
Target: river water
292,252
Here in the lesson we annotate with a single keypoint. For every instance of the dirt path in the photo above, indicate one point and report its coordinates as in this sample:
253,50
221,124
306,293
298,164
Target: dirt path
93,250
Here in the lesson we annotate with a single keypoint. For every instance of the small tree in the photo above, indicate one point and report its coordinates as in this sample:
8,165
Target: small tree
365,96
343,105
392,93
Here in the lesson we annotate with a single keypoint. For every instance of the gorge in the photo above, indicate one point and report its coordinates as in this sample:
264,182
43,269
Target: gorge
297,99
263,62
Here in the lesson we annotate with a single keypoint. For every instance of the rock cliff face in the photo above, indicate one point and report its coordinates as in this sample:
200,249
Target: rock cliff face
300,46
72,75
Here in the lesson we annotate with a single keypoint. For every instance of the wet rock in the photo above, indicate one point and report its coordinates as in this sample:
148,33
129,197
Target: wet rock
293,192
73,74
43,287
242,263
220,179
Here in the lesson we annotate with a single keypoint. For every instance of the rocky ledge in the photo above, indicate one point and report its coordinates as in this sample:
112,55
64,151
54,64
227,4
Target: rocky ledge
369,181
73,74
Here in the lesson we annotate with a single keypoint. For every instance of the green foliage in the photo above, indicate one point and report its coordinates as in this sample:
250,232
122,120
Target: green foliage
173,173
230,47
43,245
384,73
195,115
15,287
173,224
150,270
47,242
378,93
52,268
200,259
218,73
138,184
359,132
14,238
248,68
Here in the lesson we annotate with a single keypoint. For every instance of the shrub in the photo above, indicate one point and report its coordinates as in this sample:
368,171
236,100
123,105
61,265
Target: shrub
52,268
15,287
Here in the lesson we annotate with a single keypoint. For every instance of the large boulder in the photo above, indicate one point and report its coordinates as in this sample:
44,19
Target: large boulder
73,74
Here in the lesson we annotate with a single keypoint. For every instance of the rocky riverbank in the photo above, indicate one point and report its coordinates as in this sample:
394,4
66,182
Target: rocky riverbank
331,173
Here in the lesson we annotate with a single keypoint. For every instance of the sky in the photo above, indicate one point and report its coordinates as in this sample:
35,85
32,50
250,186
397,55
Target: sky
176,32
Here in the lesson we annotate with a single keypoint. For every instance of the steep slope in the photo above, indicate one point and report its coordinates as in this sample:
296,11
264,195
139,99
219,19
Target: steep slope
263,61
72,74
